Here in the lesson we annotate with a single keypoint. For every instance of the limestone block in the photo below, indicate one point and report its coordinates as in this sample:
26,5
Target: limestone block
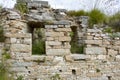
49,58
118,58
106,42
49,38
57,52
92,74
20,48
67,26
112,52
79,57
69,58
117,42
18,69
54,34
18,35
97,42
14,15
21,64
13,40
28,41
97,38
37,57
95,50
102,57
53,43
51,26
64,38
63,29
57,47
89,37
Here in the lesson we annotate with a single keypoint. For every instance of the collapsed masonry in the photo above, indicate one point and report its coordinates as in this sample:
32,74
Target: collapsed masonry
100,61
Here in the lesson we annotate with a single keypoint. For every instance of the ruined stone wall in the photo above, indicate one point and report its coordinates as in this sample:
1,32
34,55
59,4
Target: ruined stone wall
58,40
18,44
100,61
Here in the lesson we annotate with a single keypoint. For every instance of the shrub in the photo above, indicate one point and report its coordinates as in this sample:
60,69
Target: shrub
96,17
38,47
77,13
75,48
108,30
4,70
21,6
20,78
114,22
2,37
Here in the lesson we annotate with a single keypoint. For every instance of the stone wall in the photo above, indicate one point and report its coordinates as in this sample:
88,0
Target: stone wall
100,61
18,43
58,40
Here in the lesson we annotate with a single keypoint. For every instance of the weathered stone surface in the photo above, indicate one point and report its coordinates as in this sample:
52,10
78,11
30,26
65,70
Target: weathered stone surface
78,57
64,38
112,52
57,52
117,43
53,43
95,50
63,29
20,48
62,22
27,35
14,15
54,34
51,26
102,57
97,42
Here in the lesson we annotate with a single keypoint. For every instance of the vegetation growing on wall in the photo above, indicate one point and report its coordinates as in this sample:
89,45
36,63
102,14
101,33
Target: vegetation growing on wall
21,6
38,46
4,68
75,47
114,22
2,37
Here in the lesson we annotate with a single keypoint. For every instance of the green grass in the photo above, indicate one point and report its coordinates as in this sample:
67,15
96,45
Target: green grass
38,48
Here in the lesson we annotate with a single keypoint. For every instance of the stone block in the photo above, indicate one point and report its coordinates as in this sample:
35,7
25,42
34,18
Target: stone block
112,52
54,34
53,43
21,64
95,50
106,42
37,57
64,38
117,42
79,57
13,40
20,48
51,26
63,29
49,38
118,58
28,41
69,58
91,74
57,52
102,57
96,42
19,35
89,37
